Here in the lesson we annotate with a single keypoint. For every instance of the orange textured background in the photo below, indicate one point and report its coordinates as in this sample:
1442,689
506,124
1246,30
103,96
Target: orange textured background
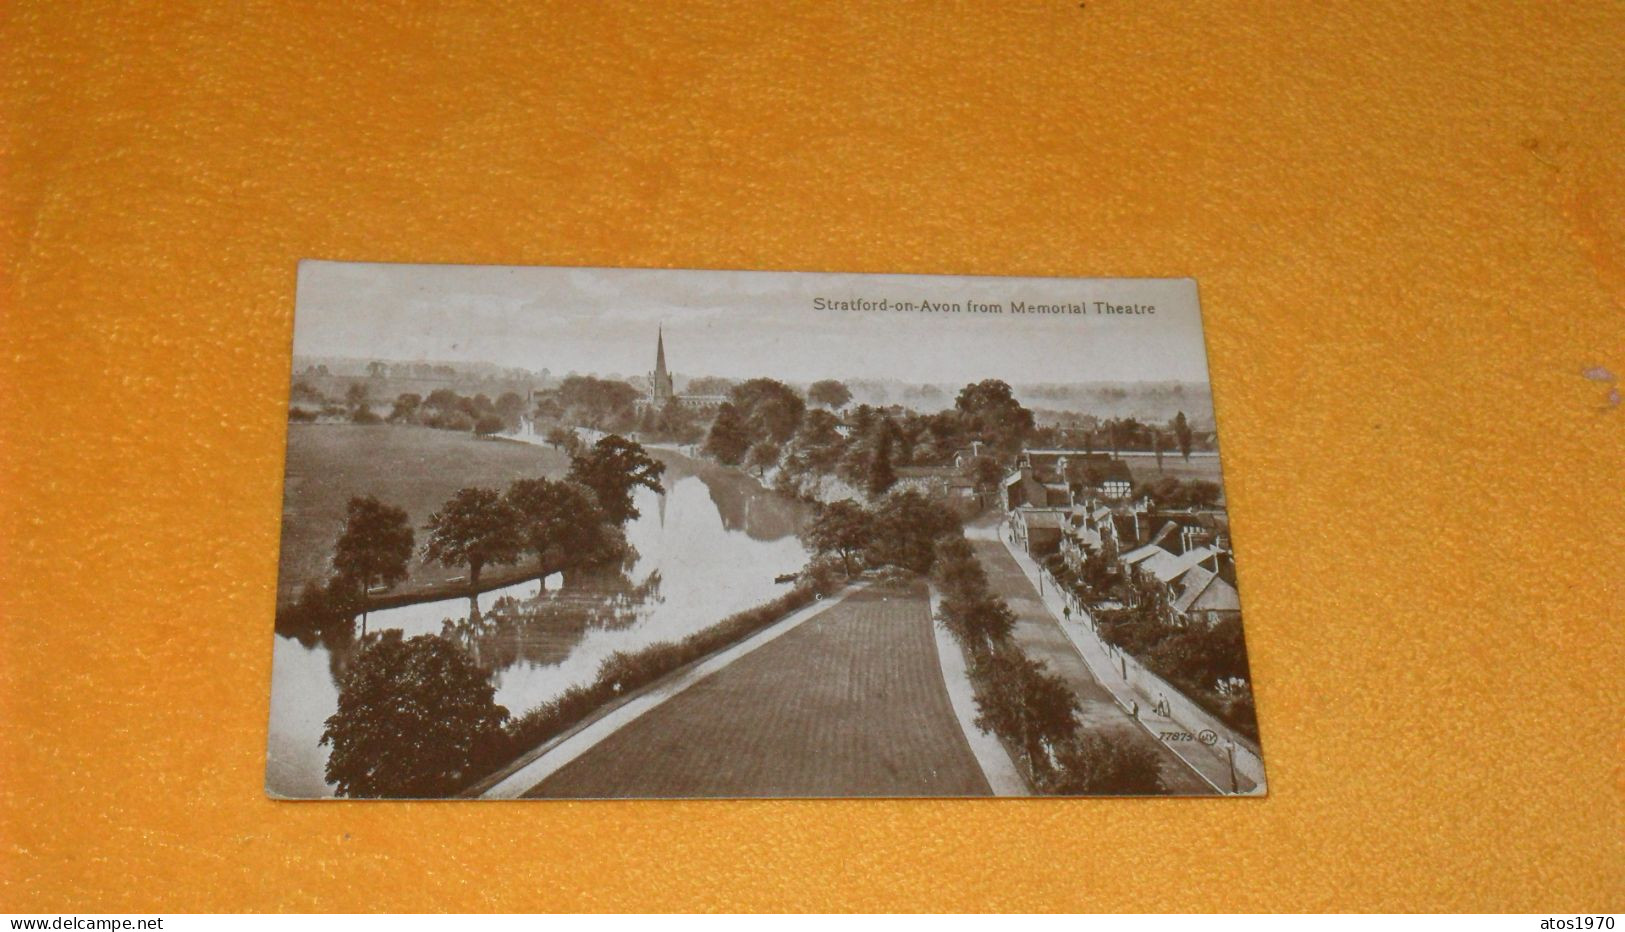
1406,220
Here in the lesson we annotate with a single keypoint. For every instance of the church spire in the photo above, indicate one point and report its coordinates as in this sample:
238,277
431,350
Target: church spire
660,354
661,386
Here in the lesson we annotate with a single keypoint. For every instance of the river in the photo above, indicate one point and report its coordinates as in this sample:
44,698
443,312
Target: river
709,547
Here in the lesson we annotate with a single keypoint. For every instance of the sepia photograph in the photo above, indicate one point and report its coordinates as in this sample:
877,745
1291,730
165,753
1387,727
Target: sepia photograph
615,533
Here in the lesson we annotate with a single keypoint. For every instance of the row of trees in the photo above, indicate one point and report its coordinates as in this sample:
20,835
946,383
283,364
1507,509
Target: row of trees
310,404
443,408
767,425
1021,701
574,521
1017,698
1169,492
1119,434
417,717
900,530
447,410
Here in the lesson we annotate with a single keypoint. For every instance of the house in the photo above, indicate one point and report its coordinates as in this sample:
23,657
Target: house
1155,562
1075,474
1080,535
1205,597
1038,530
1023,489
1192,581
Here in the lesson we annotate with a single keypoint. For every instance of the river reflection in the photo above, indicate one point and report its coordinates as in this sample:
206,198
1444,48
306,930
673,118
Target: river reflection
711,546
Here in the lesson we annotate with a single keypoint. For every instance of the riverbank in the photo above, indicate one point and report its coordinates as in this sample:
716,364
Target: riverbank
413,468
619,709
711,547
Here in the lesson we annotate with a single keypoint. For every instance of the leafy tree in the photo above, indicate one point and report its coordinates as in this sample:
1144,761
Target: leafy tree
709,385
987,473
324,613
862,418
548,407
728,439
992,412
488,424
907,528
560,438
444,400
762,456
406,407
843,528
678,421
475,527
770,409
304,391
478,406
510,407
596,402
612,468
1156,447
829,393
1019,698
818,443
1172,493
1096,571
976,618
376,370
454,420
957,569
1202,492
356,397
375,547
415,718
560,523
881,475
1182,432
1091,765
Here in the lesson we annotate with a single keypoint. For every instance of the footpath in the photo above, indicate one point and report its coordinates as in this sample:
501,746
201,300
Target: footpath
1040,636
1227,761
1002,774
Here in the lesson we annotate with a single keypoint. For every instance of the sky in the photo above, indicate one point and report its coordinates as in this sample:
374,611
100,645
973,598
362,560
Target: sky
747,324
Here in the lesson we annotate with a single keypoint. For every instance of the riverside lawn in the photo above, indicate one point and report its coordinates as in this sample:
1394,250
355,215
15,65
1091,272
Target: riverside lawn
410,467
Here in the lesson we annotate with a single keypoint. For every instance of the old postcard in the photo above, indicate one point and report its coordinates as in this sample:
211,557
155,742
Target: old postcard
617,533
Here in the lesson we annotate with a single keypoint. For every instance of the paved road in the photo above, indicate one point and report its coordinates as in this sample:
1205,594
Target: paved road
1040,635
851,703
1129,682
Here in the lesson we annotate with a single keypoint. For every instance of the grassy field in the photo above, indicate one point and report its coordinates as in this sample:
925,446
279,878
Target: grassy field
415,468
851,703
1145,468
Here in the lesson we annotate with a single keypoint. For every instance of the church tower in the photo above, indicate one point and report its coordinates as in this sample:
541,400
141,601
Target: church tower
660,382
